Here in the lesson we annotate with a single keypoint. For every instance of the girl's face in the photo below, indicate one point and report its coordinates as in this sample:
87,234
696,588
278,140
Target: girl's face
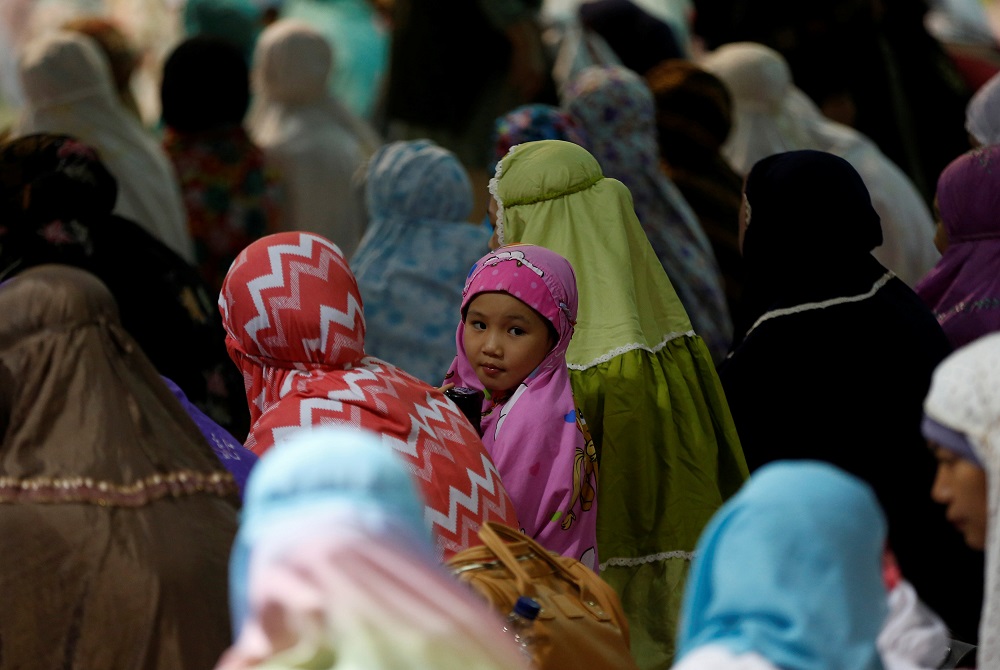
961,486
504,340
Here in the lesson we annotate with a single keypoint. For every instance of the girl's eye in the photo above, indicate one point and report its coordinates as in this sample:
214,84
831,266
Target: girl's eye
478,325
516,331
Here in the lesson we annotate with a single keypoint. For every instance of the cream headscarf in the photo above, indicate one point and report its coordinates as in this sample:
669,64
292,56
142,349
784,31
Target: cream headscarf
553,194
69,90
311,139
965,397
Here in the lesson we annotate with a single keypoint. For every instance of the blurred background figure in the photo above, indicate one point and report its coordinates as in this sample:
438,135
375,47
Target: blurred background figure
771,115
69,89
317,146
616,108
871,65
56,200
231,197
414,258
694,114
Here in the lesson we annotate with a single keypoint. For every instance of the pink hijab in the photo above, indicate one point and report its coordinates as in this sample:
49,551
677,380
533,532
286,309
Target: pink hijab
963,289
535,435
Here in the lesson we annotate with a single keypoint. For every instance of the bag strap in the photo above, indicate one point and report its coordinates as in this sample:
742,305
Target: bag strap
496,535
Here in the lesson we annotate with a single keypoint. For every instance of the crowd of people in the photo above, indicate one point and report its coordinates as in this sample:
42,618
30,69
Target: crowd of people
729,317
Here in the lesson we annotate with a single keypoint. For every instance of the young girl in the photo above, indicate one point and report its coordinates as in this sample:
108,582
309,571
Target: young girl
518,312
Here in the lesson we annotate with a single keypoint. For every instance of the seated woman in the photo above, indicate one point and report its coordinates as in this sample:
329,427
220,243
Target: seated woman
413,260
771,589
334,561
642,378
962,427
296,330
963,289
230,195
121,515
56,201
313,141
830,341
69,89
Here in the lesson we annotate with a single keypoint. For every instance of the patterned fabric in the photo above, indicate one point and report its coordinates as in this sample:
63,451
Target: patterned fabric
414,258
231,198
536,121
617,110
693,118
816,600
295,328
537,439
963,288
965,397
334,561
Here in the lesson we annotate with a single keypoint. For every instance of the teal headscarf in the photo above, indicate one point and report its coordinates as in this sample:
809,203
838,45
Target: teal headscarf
790,568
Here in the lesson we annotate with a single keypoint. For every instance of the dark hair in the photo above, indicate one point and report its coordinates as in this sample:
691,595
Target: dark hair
206,85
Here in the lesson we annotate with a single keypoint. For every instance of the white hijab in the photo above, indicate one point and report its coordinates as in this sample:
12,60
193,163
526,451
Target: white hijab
982,114
965,396
311,139
771,115
68,89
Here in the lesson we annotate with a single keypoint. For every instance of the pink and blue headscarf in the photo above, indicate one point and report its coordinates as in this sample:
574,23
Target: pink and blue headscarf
963,289
535,436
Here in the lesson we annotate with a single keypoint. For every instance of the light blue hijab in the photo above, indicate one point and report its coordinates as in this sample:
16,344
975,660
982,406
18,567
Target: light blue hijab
790,568
412,263
318,480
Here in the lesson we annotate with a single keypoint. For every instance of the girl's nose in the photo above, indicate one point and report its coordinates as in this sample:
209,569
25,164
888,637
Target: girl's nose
491,345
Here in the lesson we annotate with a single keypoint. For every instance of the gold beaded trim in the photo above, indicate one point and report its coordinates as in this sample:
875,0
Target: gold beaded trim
94,492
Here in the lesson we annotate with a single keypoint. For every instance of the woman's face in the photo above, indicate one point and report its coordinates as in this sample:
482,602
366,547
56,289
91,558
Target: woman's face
960,485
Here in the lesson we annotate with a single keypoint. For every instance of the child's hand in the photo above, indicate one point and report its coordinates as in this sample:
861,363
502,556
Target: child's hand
446,387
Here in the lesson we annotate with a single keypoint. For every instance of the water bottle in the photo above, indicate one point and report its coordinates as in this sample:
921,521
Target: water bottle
520,626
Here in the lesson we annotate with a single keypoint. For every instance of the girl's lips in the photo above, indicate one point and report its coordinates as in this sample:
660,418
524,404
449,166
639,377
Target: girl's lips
491,369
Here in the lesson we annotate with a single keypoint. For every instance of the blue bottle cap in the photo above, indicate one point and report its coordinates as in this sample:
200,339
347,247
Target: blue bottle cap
527,607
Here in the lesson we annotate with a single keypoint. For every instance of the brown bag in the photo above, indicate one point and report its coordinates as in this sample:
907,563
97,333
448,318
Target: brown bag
581,624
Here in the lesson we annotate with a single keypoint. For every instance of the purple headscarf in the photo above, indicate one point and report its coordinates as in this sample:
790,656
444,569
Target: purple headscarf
963,289
536,436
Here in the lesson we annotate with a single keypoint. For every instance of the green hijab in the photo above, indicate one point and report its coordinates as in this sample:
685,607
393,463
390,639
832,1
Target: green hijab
553,194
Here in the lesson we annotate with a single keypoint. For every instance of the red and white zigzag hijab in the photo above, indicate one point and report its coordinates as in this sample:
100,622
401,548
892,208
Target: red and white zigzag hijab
295,328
